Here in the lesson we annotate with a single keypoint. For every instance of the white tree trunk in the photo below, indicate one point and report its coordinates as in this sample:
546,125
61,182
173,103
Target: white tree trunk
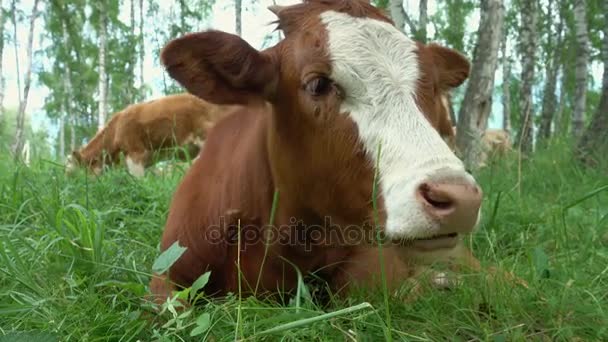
61,154
16,47
67,85
506,85
551,73
397,13
238,10
594,142
103,77
2,21
477,101
27,81
142,51
560,121
528,54
582,59
422,21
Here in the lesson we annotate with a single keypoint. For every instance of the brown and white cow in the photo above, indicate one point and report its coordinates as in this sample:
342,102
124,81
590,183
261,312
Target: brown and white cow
142,129
343,85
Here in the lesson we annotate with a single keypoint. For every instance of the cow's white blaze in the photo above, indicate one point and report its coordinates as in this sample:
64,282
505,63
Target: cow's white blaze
378,68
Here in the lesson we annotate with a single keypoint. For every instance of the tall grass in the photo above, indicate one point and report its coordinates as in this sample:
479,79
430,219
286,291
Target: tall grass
76,254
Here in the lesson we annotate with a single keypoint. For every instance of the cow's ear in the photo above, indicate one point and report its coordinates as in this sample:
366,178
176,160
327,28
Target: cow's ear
76,156
221,68
453,68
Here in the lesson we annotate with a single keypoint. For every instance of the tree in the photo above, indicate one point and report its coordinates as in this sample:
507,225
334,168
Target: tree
582,59
422,21
451,22
2,20
238,9
506,84
594,142
103,76
477,103
142,51
528,48
27,79
399,16
552,67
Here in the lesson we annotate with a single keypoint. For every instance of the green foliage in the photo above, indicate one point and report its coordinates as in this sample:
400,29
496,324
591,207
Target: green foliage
451,21
77,252
38,139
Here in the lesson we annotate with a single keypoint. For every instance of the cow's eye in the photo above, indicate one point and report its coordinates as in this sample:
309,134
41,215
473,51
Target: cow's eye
319,86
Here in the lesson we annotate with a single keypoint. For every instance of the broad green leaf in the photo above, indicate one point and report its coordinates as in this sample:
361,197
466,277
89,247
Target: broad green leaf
199,284
167,258
203,322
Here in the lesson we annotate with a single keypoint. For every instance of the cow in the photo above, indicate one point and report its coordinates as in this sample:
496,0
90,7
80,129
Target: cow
493,142
334,165
143,129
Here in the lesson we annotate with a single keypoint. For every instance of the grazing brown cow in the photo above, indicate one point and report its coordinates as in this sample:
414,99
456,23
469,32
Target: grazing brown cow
343,97
142,129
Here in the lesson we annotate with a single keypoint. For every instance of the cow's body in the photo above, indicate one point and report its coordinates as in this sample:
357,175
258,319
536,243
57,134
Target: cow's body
155,127
317,114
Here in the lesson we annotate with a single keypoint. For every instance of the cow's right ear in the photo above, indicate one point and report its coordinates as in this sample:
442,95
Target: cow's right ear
221,68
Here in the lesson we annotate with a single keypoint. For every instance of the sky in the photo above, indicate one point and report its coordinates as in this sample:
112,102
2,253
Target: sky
256,25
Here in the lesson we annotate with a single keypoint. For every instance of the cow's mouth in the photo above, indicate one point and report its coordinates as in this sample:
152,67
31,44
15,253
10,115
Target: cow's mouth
439,241
439,237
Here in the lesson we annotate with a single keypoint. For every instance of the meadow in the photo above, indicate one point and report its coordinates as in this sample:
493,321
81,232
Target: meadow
76,255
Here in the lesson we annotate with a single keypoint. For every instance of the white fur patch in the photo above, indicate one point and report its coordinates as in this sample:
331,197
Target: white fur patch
194,140
378,68
136,169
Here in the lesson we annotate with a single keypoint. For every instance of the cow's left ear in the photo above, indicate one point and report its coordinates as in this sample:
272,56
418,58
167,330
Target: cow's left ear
453,67
221,68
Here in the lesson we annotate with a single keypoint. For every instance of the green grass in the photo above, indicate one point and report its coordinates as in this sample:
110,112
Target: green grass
76,255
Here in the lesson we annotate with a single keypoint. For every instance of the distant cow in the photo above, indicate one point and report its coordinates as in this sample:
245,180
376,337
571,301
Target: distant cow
343,88
494,142
142,129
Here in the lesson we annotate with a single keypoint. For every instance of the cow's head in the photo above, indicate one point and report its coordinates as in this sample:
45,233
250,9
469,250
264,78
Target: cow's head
76,160
342,83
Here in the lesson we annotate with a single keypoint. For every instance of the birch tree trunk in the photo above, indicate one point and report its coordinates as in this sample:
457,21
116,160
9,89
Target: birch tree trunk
103,77
560,120
422,21
397,13
142,51
528,48
551,73
594,142
238,9
27,80
2,21
477,101
67,86
506,84
16,47
582,59
61,154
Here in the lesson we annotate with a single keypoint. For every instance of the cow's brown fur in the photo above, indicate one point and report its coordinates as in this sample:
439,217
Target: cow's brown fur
284,141
141,130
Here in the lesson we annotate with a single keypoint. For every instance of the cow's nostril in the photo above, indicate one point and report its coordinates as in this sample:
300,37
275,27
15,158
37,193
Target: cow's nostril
436,198
455,206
